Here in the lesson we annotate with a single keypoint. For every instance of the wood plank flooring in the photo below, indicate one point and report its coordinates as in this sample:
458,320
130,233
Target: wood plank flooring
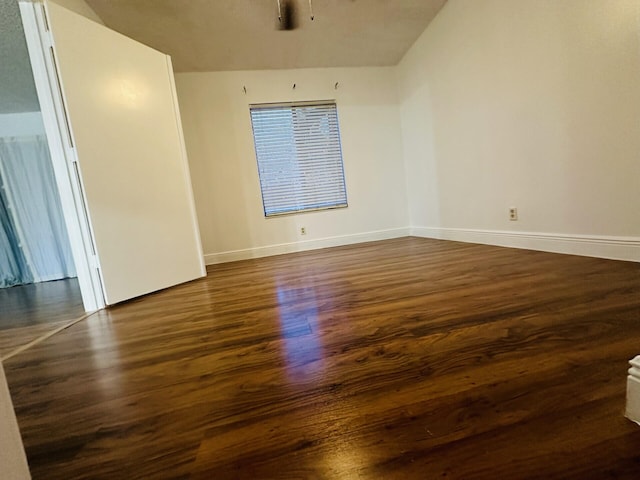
401,359
29,311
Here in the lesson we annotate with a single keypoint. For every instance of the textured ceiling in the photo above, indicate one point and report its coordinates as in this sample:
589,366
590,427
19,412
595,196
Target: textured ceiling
213,35
17,90
210,35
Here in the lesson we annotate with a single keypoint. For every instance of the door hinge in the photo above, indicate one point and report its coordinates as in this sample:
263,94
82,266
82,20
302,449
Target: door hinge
73,158
49,38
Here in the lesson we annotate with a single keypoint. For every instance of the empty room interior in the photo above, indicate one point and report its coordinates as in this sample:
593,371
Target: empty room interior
320,239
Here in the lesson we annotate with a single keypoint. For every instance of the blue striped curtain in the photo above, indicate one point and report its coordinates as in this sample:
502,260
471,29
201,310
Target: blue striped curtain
13,266
34,241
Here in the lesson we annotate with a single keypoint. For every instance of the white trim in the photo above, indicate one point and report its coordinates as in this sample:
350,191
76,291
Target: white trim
62,154
279,249
633,391
185,166
615,248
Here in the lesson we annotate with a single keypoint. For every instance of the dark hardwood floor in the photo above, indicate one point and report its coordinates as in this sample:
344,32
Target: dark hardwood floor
401,359
38,303
29,311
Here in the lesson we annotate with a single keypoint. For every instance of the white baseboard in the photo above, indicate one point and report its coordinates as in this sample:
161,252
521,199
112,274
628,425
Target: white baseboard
266,251
633,391
616,248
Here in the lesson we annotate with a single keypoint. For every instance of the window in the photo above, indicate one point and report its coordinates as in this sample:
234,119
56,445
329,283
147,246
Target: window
299,157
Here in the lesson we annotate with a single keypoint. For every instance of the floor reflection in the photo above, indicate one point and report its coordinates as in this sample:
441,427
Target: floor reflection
105,356
302,346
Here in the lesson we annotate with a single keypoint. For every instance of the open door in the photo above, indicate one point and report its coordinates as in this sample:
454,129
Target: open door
125,148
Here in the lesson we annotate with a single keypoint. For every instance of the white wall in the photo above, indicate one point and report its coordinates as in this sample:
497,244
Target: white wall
21,124
217,127
533,104
13,461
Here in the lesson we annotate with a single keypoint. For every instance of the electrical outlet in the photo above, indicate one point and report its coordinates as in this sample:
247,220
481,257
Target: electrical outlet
513,214
303,230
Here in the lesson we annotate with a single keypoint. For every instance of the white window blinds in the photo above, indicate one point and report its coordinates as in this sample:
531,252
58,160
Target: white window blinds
299,157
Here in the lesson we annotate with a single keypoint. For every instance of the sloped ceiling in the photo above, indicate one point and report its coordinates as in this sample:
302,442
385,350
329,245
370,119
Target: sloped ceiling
215,35
211,35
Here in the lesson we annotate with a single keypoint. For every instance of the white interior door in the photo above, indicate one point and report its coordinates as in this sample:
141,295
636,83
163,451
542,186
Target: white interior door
122,113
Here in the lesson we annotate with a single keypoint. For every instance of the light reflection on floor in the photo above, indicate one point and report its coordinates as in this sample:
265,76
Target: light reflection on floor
105,355
302,348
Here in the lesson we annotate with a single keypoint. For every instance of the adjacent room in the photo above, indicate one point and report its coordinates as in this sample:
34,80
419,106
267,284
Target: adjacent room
333,239
38,286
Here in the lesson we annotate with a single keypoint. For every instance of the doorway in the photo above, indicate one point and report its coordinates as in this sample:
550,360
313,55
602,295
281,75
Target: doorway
39,289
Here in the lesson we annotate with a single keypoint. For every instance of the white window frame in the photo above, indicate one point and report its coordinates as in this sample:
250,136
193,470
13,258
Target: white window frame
311,145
